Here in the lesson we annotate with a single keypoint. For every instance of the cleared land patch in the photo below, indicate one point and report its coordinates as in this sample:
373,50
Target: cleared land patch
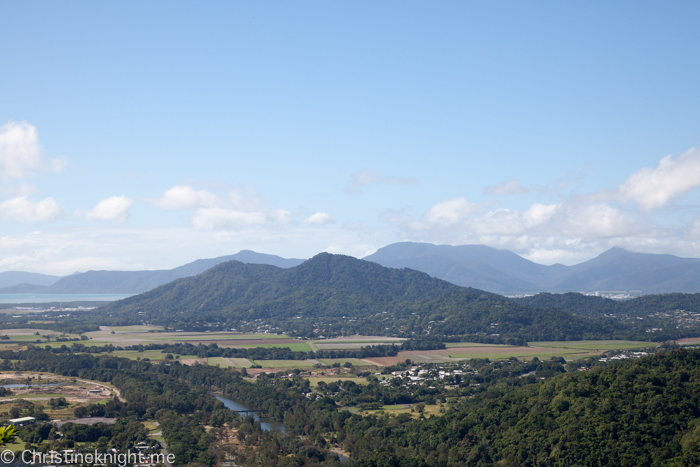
410,409
314,380
224,362
493,352
342,361
153,355
595,345
384,361
285,363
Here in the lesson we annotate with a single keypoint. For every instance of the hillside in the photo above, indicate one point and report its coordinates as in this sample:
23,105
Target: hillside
12,278
134,282
502,271
641,413
335,294
587,305
325,284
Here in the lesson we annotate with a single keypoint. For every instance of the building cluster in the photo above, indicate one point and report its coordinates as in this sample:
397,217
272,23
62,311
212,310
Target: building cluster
623,356
682,318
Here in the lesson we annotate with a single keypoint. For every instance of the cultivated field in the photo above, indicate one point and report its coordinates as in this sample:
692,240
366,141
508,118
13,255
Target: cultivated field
455,351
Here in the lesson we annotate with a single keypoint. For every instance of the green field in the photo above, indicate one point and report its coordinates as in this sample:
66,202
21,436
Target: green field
88,343
229,362
595,345
300,347
341,361
153,355
469,344
240,362
211,336
220,362
314,380
285,363
541,353
404,408
135,328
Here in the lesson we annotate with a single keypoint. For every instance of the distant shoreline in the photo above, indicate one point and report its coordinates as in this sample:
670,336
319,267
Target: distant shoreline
44,299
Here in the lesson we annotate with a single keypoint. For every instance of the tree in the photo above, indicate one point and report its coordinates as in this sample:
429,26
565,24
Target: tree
7,434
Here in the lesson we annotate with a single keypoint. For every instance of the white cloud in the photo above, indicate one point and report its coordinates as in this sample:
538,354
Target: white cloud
509,187
234,209
319,218
20,209
126,247
572,225
114,209
21,154
653,188
186,197
367,177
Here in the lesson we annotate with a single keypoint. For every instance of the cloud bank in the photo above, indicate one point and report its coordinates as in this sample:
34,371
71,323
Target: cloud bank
20,209
115,209
21,154
654,188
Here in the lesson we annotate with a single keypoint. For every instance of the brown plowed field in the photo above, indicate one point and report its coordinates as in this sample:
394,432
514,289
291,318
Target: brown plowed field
384,361
472,350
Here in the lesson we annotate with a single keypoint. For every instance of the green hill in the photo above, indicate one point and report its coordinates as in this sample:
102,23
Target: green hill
334,294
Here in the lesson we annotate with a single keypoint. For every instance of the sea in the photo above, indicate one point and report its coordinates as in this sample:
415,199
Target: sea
19,298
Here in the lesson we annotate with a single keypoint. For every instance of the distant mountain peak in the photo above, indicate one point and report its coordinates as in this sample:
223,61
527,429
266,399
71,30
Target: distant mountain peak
502,271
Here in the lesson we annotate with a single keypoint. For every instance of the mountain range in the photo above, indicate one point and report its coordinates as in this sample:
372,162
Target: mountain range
477,266
333,295
502,271
126,282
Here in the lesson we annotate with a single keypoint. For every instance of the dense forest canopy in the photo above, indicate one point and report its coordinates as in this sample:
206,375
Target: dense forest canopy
644,412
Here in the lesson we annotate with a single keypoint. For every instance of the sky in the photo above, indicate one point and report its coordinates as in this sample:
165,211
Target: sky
145,135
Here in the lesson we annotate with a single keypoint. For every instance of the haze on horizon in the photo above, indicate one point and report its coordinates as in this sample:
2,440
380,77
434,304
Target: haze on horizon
145,136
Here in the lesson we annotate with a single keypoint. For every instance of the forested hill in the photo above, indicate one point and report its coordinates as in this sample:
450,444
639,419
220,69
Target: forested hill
586,305
641,413
334,294
330,282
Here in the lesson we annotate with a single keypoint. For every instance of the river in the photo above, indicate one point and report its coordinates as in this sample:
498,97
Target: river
24,386
265,423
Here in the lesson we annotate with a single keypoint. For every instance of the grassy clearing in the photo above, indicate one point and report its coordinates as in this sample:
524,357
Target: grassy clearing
404,408
153,355
340,346
134,328
449,345
88,343
595,345
541,353
314,380
36,396
341,361
151,426
211,336
224,362
284,363
240,362
300,347
17,445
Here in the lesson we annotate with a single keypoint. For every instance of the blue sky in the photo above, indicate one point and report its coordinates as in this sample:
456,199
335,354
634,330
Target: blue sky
146,135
